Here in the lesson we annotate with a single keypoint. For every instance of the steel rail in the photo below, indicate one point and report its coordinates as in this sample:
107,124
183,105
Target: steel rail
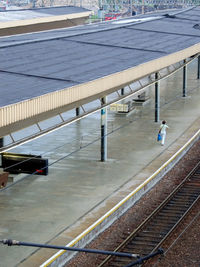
151,217
177,224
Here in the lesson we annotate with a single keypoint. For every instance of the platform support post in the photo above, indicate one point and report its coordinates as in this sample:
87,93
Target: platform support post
198,67
131,7
122,91
103,130
184,79
1,142
77,111
157,99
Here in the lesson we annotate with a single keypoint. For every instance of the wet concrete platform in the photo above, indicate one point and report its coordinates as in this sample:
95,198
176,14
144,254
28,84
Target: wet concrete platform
79,188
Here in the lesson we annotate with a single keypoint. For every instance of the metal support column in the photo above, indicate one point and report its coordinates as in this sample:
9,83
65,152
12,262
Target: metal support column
103,131
184,79
131,7
157,99
198,68
122,91
142,6
1,142
77,111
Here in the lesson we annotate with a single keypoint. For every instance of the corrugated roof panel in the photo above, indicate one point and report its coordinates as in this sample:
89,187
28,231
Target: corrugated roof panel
54,60
13,89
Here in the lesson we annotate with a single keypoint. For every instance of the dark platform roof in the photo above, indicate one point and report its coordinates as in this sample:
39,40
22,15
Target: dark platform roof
36,64
21,14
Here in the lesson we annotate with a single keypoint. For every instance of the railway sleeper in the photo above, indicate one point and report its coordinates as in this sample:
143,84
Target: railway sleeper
169,212
161,218
175,202
160,229
173,218
155,227
146,239
142,243
180,197
150,235
158,234
193,181
120,260
141,252
186,189
195,178
187,192
133,249
166,218
170,215
185,205
197,173
167,222
185,196
117,263
113,265
164,214
161,225
178,209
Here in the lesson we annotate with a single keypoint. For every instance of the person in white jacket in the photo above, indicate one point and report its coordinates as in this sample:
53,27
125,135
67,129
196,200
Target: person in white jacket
162,131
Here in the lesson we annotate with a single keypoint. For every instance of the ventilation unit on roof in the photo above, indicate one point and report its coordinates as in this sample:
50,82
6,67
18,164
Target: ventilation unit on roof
169,16
196,26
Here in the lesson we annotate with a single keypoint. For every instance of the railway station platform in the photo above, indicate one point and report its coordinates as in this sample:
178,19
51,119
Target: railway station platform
79,189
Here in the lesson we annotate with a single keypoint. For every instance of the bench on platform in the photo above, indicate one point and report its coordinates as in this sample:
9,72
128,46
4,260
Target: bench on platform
141,99
122,108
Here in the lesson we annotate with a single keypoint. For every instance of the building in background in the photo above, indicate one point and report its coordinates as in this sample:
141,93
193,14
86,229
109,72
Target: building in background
104,9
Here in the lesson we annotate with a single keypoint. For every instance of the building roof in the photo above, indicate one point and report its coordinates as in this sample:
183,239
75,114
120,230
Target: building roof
24,14
47,73
39,63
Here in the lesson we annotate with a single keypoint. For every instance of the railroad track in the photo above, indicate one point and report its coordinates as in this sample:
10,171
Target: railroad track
151,234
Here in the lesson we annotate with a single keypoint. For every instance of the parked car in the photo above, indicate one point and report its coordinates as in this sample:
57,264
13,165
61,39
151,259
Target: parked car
3,6
111,16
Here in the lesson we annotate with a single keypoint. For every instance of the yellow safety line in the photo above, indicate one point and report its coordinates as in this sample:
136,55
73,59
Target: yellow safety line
110,212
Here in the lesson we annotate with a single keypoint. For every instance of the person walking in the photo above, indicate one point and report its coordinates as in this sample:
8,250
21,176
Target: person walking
162,131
